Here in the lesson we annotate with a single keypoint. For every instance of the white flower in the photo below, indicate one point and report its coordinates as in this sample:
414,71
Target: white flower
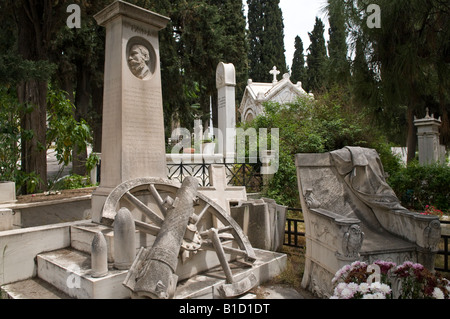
385,289
438,294
339,288
347,293
353,287
376,286
379,295
364,288
368,296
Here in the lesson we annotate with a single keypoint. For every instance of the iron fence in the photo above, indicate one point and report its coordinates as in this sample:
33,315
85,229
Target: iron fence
238,174
294,234
444,252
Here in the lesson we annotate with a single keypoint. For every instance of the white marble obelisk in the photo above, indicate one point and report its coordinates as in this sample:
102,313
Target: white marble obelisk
133,142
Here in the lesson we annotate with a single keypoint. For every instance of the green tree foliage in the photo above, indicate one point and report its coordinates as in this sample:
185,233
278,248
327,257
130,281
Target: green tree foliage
316,126
9,135
38,48
338,63
266,39
408,62
316,59
298,70
201,34
79,55
63,130
29,26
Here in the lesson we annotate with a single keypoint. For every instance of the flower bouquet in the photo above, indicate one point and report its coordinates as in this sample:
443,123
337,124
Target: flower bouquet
386,280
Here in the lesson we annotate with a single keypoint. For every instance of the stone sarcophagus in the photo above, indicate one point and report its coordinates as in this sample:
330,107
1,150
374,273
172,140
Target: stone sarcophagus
352,214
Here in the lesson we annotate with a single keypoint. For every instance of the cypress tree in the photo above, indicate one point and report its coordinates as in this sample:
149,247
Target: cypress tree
266,39
298,62
235,45
316,59
338,64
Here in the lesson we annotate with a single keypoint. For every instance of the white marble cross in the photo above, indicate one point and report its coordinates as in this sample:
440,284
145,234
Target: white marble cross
274,72
219,191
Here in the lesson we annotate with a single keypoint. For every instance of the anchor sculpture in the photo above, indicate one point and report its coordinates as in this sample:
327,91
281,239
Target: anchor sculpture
182,221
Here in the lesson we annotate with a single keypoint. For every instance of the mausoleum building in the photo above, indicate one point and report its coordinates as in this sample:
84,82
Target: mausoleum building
257,93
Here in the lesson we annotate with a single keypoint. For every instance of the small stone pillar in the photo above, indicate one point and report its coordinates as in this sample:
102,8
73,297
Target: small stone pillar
428,136
7,192
124,239
99,256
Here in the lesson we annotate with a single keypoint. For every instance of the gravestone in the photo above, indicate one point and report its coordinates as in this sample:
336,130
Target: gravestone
226,86
351,213
133,124
263,221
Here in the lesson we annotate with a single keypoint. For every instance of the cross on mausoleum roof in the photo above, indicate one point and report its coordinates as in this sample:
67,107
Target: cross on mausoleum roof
274,72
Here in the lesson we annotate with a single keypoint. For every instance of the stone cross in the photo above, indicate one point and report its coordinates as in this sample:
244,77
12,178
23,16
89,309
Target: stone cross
133,142
274,72
219,191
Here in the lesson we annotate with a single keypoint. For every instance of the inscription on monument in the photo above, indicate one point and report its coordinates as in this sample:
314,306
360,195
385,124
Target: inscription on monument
222,102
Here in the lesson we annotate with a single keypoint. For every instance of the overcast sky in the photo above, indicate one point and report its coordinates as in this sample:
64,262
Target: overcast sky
299,18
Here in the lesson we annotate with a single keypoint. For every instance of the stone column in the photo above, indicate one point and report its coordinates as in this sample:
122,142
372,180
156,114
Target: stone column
226,86
428,136
133,142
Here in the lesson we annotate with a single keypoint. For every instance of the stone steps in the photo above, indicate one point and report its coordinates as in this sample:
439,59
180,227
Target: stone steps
66,273
69,270
34,288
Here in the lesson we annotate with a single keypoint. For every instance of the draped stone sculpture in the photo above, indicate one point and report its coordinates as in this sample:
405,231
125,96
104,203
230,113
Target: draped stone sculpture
351,214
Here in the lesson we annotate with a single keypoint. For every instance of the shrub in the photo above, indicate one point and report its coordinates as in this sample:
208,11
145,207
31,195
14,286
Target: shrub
420,185
314,126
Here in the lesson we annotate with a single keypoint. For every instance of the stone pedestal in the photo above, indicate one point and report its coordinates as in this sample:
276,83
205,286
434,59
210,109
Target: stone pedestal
7,192
226,86
428,137
133,124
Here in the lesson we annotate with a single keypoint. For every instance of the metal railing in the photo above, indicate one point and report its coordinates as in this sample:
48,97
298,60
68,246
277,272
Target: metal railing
294,234
238,174
444,252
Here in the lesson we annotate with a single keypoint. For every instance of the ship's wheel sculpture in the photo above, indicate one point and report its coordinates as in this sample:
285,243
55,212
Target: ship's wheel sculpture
184,223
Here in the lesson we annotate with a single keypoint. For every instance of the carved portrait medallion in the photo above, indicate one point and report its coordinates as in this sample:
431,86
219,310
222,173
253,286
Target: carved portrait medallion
141,58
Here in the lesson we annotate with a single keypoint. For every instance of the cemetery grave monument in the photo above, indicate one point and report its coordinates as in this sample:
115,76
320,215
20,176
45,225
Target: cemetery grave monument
149,237
352,214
